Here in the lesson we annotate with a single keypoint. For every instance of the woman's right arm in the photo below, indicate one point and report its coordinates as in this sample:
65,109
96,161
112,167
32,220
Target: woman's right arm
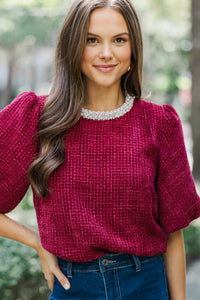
18,125
30,237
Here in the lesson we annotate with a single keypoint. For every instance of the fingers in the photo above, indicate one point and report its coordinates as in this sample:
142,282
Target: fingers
50,281
62,279
51,268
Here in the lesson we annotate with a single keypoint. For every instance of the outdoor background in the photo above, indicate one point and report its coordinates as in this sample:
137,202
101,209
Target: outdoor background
28,32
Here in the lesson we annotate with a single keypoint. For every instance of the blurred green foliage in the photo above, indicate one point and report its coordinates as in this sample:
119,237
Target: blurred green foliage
167,45
24,24
192,241
166,27
28,24
20,273
27,202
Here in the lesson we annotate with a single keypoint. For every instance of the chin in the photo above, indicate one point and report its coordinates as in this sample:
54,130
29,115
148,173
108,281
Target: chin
107,84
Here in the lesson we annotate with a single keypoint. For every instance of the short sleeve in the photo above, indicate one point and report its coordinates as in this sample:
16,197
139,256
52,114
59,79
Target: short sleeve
18,124
178,201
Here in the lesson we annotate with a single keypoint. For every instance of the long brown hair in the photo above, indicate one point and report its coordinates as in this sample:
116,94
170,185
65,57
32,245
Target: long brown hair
63,107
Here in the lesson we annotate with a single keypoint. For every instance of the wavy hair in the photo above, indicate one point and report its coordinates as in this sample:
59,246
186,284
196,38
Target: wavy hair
63,107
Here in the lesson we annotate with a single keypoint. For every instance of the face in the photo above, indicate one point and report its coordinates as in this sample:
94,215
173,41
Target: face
107,54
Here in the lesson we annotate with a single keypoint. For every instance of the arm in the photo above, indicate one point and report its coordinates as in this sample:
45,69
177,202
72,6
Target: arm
175,266
18,232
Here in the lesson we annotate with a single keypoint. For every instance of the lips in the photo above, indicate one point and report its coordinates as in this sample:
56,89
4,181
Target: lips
105,68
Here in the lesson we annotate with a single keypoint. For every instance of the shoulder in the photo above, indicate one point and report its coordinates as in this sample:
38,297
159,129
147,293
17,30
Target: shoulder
29,99
27,103
154,111
158,120
24,99
23,112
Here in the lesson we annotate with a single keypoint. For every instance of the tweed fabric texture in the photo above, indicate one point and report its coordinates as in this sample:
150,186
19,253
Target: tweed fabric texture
124,185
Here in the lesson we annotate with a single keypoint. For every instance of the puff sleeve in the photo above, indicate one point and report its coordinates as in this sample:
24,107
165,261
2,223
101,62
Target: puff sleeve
178,201
18,124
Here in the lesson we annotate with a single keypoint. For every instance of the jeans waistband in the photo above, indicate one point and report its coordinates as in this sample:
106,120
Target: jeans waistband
106,262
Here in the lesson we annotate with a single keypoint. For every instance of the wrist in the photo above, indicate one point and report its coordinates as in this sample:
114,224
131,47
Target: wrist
36,241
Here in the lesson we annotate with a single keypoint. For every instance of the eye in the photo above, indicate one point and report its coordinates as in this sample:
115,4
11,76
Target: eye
92,40
120,40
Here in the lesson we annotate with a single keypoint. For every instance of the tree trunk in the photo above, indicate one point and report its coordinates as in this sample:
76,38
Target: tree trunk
195,66
7,93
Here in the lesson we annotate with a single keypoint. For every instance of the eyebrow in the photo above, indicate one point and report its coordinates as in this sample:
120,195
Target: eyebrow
119,34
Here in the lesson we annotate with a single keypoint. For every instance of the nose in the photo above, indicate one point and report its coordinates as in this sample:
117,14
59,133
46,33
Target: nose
106,52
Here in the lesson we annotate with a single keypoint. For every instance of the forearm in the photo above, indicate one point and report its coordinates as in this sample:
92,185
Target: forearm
25,235
175,266
18,232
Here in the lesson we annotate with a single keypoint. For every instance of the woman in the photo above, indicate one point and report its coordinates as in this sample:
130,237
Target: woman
110,177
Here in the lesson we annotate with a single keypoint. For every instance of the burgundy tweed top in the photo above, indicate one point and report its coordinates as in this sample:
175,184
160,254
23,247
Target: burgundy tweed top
125,182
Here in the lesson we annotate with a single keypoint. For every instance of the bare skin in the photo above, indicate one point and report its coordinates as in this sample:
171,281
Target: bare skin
106,58
104,93
175,266
106,48
18,232
174,257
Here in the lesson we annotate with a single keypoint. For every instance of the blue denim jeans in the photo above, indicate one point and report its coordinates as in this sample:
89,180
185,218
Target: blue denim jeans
114,276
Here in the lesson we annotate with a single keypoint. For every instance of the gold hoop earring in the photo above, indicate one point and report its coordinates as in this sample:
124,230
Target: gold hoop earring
129,68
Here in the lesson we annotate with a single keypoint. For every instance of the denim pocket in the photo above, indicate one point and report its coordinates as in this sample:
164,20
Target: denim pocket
121,280
164,276
148,283
59,292
154,279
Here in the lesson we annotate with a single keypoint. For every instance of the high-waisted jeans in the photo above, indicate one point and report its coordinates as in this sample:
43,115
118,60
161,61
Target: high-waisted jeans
114,276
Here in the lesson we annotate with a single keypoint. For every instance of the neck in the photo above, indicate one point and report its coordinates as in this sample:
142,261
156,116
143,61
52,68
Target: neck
103,99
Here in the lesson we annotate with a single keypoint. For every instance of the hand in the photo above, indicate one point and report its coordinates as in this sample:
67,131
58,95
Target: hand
51,268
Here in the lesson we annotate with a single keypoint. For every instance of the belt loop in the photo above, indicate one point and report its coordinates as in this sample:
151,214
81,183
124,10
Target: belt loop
69,269
137,263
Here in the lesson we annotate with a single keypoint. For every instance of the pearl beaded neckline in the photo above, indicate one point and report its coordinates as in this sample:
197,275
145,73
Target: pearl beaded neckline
109,115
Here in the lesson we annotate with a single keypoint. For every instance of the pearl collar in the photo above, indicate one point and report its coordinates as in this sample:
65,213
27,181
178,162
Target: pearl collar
108,115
